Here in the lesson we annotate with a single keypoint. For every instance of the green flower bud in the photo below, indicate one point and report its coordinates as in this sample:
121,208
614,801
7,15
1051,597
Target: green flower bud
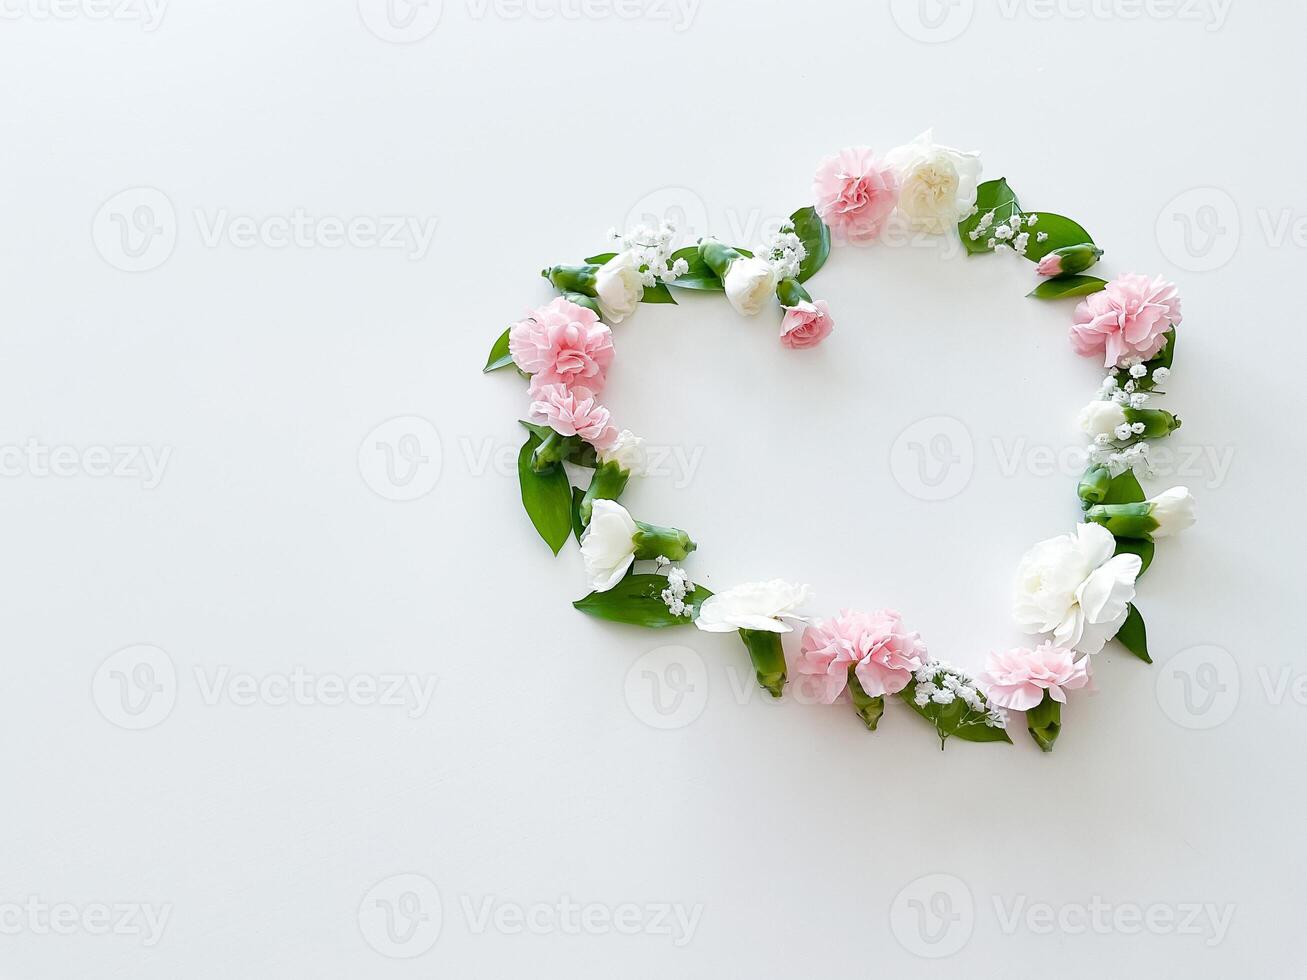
791,293
1157,423
1069,261
1094,485
573,279
1045,722
609,481
652,541
768,658
717,256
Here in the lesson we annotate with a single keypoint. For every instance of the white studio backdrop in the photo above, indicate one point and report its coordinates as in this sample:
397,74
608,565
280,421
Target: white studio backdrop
291,687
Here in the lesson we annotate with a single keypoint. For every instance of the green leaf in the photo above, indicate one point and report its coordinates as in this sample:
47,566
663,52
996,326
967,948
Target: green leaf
499,355
546,496
1143,547
637,601
698,276
1134,635
1125,489
658,293
1061,232
814,234
1070,286
992,195
578,525
948,719
600,259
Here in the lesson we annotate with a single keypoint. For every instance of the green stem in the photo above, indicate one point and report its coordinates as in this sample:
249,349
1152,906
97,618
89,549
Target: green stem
607,484
869,709
573,278
553,451
1124,520
653,541
1045,722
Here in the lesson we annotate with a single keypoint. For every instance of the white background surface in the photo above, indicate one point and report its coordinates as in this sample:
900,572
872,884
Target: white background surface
542,772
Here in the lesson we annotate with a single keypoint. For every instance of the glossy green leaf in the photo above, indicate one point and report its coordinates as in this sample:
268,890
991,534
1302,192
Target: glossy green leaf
601,259
698,276
814,234
1125,489
658,293
578,525
1070,286
1134,635
1061,232
637,601
546,496
1143,547
499,355
948,720
992,195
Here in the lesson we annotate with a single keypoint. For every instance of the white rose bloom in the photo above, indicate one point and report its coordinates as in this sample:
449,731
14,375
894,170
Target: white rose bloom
1173,511
1073,587
1101,418
756,606
938,183
750,283
628,452
620,286
608,545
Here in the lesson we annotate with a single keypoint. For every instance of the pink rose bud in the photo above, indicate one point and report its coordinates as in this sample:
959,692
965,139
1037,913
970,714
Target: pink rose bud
1050,265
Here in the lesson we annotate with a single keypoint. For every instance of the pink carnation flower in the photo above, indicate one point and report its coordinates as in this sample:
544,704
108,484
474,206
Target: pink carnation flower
884,655
806,325
1129,318
573,411
856,192
563,343
1049,265
1018,679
